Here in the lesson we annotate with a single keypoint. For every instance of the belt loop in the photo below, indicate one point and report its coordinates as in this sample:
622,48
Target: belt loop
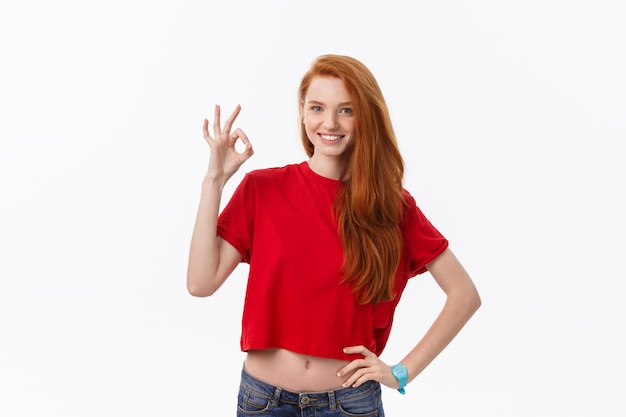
331,400
276,399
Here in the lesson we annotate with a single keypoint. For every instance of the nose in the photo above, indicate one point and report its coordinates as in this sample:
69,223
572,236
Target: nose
330,121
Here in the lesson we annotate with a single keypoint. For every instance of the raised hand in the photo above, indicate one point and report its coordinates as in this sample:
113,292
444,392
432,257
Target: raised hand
225,160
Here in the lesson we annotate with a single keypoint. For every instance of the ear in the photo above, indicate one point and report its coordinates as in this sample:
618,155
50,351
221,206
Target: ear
302,110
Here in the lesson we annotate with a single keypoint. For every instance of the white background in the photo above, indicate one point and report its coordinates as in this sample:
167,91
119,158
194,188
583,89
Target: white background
511,118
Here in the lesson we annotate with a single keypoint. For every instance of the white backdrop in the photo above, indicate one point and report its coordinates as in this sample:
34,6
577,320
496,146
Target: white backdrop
510,116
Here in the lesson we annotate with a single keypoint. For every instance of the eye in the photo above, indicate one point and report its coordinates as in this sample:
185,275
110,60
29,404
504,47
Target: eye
346,110
316,108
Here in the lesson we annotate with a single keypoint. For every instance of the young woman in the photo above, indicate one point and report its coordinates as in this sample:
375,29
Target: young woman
331,243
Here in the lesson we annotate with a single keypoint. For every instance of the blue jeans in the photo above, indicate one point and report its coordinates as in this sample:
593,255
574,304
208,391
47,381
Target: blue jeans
256,398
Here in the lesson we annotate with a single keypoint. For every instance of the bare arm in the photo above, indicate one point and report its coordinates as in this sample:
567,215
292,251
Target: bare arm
212,259
462,301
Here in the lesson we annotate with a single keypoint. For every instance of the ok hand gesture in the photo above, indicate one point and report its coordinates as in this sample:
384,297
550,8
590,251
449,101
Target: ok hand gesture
225,160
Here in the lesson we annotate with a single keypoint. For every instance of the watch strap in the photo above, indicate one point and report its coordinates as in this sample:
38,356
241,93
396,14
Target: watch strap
401,374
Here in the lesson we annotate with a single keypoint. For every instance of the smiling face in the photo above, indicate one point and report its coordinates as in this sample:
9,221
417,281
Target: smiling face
328,118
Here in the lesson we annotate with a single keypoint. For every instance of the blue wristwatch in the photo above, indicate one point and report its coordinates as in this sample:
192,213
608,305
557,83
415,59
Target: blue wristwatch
402,375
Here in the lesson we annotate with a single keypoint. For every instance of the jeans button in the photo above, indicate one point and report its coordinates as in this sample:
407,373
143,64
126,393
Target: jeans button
304,400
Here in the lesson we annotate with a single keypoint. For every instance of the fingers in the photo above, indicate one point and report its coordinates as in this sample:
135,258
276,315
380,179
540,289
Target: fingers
357,363
362,370
225,157
239,134
362,350
205,130
218,129
229,122
247,151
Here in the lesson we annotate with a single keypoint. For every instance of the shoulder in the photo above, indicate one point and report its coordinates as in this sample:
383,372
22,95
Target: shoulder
411,210
408,200
269,182
272,175
273,172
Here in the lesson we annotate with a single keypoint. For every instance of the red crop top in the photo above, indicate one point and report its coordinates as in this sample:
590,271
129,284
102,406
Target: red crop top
281,221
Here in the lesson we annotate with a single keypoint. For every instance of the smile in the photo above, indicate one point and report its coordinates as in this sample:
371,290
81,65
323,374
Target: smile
331,137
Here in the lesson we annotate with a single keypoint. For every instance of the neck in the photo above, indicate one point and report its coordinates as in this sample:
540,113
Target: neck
332,168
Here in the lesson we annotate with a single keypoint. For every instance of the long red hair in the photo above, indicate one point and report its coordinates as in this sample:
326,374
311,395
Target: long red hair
369,205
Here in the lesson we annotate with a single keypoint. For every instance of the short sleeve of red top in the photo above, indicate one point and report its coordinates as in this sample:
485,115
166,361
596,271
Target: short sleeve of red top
281,221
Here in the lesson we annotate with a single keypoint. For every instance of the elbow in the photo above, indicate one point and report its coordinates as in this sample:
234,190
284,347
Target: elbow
476,302
199,292
466,298
199,288
473,300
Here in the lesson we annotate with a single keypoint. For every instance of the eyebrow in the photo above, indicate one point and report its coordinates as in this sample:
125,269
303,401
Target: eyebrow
345,103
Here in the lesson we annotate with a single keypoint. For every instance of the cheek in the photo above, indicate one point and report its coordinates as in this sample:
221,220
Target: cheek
309,122
350,127
307,126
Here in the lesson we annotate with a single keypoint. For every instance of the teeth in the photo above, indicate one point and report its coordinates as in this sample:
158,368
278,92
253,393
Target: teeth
330,137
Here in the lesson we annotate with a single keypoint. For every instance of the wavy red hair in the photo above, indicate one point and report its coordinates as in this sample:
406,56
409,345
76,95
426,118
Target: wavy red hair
369,205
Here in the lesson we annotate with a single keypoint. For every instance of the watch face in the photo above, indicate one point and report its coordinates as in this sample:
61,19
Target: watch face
399,371
401,374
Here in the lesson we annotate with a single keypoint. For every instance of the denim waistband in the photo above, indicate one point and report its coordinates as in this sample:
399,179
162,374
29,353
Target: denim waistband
328,398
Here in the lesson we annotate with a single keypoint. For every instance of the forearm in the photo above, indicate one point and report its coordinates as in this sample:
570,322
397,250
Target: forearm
459,308
460,305
211,260
204,251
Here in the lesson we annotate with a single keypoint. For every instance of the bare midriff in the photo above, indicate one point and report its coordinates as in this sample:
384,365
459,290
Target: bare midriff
294,371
